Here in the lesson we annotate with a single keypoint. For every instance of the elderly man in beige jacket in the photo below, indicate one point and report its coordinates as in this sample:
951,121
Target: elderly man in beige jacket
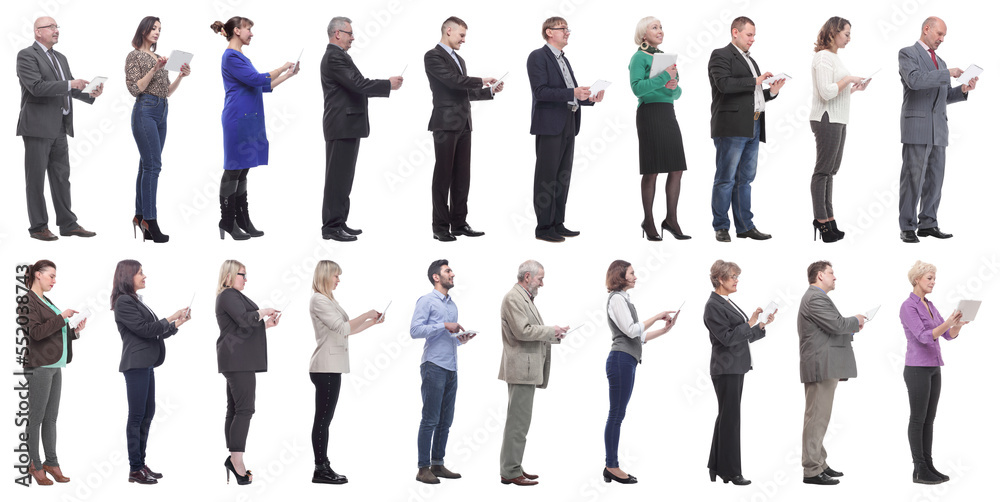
524,366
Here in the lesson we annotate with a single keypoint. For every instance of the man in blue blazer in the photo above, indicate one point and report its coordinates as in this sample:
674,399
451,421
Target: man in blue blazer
924,130
555,122
47,89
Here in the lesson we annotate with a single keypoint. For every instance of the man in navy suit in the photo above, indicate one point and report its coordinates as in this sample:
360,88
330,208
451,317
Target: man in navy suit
555,122
46,118
924,127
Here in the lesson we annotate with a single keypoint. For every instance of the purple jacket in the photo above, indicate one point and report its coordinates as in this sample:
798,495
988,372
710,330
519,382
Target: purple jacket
921,347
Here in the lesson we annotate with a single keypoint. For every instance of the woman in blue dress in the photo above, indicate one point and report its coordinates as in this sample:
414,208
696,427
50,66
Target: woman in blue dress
244,138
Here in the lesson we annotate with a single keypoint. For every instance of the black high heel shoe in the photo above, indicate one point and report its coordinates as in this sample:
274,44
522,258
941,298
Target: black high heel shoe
825,231
625,481
836,231
137,223
649,232
151,230
677,235
243,480
738,480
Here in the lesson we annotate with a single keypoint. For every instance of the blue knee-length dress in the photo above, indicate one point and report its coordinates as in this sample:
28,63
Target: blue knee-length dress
244,138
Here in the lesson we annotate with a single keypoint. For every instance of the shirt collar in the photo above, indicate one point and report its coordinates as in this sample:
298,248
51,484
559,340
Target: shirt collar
39,44
916,299
925,46
530,297
557,52
447,49
745,54
441,296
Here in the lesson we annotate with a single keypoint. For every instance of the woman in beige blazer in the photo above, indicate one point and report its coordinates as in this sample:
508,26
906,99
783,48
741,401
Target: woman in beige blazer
330,359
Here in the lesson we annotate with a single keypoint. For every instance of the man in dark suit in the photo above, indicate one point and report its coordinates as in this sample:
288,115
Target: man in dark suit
555,122
737,129
924,130
451,124
47,86
345,122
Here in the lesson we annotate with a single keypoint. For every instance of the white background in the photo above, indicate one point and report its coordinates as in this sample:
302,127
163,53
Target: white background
668,428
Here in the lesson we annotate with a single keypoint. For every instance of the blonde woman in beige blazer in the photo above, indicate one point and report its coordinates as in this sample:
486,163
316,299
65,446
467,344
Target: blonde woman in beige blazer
330,360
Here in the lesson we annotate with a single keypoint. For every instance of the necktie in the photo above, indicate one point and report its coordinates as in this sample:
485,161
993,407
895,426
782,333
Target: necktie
59,73
933,58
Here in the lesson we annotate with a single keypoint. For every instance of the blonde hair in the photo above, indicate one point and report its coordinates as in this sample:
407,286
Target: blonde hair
227,273
919,270
640,29
325,269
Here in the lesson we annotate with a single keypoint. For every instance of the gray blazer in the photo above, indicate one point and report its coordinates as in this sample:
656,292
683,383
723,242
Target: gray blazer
924,119
825,338
42,94
731,335
527,341
332,326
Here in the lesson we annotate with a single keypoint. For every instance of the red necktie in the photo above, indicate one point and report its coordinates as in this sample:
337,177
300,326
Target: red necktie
933,58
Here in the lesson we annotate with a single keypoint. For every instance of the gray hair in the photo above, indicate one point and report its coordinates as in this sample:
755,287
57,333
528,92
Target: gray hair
529,267
722,270
640,29
337,24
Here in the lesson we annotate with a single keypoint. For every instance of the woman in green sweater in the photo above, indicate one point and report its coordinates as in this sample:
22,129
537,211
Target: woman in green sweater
660,147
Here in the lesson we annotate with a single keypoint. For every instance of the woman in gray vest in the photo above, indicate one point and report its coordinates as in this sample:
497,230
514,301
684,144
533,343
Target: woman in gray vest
628,335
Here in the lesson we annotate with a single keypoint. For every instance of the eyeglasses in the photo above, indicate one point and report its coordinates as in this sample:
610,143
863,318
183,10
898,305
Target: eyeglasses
734,277
242,274
51,26
564,28
351,33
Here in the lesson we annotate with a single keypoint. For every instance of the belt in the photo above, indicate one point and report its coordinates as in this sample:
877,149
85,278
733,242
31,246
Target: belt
756,115
573,107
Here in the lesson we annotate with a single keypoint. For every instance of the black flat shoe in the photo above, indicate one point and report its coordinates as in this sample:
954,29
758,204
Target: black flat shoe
339,234
832,473
933,232
820,479
444,236
352,231
909,236
467,231
550,236
243,480
677,235
754,234
923,475
630,480
565,232
930,467
722,235
325,475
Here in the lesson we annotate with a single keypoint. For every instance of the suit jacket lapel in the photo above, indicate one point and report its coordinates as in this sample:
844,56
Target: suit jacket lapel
739,57
531,304
42,56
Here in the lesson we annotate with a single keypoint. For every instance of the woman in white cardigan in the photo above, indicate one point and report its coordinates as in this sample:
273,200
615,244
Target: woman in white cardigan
831,107
330,359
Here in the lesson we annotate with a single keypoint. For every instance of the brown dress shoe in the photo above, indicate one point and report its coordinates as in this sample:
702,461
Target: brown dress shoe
44,235
443,472
56,473
529,476
39,475
519,481
424,475
78,232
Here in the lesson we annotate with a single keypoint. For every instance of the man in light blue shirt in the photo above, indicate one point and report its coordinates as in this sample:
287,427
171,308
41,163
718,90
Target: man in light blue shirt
435,319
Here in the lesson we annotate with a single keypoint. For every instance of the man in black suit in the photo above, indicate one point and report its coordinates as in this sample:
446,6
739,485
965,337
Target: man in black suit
345,122
451,124
47,86
737,129
555,122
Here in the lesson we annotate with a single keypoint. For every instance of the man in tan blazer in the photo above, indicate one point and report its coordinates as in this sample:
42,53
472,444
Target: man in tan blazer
524,366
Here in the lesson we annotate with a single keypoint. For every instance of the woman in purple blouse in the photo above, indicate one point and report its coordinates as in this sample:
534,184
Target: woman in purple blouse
923,325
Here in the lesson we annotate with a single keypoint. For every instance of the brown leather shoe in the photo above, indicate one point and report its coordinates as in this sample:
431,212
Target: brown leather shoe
443,472
40,477
56,473
529,476
424,475
78,232
519,481
44,235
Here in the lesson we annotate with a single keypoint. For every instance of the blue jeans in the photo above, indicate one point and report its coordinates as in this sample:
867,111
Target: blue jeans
149,127
735,169
438,392
621,379
140,388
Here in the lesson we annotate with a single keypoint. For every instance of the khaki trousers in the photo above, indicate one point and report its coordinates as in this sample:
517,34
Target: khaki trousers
819,405
520,399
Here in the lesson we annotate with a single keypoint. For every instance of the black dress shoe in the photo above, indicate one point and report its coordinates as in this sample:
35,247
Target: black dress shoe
83,232
909,236
628,480
141,477
339,234
722,235
565,232
444,236
324,474
820,479
352,231
738,480
467,231
933,232
754,234
832,473
549,236
154,475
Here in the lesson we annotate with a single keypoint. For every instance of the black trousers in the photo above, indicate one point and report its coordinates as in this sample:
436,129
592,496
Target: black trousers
327,393
724,458
241,393
341,158
923,384
553,169
452,160
140,389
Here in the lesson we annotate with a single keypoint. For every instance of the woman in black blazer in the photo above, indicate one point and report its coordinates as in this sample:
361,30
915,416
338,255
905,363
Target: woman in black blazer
731,332
142,350
242,352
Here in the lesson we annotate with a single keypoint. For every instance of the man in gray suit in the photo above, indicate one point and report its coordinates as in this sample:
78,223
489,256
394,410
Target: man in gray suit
825,357
924,126
46,118
527,354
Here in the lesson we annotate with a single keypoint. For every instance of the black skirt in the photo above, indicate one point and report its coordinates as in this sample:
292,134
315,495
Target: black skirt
660,147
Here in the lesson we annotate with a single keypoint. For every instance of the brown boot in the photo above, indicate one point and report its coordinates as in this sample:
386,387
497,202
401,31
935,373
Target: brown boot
424,475
443,472
40,477
56,473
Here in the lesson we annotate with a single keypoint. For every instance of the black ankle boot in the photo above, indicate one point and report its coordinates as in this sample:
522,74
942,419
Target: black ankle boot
923,475
836,231
228,222
243,216
930,467
825,230
152,231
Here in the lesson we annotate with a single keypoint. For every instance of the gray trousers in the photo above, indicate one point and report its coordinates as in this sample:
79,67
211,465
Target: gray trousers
819,405
44,390
830,139
41,156
520,399
920,180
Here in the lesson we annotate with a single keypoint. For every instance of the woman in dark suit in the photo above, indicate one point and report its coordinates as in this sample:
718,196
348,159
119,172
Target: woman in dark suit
50,349
242,352
332,326
244,139
142,350
731,332
628,335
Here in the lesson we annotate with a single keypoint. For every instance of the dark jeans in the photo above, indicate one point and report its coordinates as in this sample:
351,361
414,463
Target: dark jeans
241,392
725,456
140,388
327,393
149,128
923,384
735,169
438,389
621,379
